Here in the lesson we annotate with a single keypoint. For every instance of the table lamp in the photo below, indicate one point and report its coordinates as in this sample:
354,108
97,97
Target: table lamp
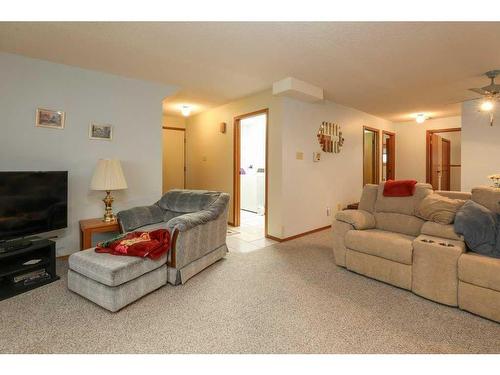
108,175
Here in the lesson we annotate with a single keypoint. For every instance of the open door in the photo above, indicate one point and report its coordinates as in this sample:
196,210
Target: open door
435,158
443,158
388,156
445,164
250,174
371,171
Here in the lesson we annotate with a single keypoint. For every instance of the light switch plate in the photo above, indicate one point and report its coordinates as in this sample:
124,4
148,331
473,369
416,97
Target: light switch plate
299,155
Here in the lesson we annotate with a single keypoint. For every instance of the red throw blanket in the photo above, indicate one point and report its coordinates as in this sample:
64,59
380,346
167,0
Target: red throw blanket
138,244
399,188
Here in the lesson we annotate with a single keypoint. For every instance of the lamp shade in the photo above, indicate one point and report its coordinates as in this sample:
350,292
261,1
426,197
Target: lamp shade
108,175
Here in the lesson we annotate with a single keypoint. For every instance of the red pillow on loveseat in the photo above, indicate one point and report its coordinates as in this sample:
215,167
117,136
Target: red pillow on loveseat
399,188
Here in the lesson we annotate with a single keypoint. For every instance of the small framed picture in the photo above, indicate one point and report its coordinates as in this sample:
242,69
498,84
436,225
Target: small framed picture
102,132
47,118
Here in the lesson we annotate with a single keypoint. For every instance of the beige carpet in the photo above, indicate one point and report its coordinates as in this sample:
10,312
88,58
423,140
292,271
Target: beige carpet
287,298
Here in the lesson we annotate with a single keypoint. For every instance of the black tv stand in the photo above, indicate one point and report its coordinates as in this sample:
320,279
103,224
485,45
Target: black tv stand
17,244
13,265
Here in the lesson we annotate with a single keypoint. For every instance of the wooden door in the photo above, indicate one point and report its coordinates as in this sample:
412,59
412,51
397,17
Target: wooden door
371,155
445,164
173,159
435,145
390,151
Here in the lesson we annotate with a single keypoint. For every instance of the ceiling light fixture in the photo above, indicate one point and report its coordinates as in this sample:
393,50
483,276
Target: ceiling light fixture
420,118
487,105
185,110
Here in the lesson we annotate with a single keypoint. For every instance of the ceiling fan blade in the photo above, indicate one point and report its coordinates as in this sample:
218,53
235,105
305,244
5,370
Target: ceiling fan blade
480,91
467,100
491,89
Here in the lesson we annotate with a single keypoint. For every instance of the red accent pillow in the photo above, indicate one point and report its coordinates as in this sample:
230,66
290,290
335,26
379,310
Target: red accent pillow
399,188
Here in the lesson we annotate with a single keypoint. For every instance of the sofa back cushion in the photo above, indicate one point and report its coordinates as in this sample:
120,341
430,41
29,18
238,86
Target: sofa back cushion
186,201
137,217
488,197
399,223
463,195
401,205
368,198
438,208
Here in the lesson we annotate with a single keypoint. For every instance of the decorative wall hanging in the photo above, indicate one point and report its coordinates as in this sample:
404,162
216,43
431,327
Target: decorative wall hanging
47,118
330,137
495,179
103,132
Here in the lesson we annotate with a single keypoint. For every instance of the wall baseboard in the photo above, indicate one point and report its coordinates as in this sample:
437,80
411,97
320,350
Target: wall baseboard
297,235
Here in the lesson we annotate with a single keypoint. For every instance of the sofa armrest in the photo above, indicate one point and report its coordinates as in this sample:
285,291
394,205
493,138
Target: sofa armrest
187,221
137,217
359,219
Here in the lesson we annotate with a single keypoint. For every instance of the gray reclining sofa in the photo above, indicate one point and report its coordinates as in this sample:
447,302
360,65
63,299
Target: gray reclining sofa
197,221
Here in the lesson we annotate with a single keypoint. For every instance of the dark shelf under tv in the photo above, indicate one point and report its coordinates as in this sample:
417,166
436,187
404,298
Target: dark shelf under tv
11,264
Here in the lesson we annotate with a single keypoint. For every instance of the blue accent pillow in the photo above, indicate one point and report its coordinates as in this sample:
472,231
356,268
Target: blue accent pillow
479,226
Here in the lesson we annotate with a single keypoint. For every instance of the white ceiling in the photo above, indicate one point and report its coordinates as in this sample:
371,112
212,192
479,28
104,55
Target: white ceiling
391,70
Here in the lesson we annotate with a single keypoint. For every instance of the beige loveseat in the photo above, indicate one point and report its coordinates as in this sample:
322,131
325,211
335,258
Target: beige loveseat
385,240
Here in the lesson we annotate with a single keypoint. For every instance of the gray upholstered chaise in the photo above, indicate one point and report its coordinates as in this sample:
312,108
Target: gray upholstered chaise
197,221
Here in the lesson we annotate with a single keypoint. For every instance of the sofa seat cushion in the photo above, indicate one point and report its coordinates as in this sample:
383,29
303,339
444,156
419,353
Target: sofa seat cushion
112,270
431,228
389,245
479,270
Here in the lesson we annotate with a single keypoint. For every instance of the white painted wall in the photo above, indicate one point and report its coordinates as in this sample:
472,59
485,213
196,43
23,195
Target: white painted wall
310,187
480,146
411,146
299,190
174,121
133,107
210,152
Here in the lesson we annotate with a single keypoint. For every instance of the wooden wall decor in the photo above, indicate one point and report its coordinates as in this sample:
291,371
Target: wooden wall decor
330,137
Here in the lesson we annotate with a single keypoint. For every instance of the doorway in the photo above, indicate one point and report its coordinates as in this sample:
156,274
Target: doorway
250,175
388,156
371,164
174,158
443,161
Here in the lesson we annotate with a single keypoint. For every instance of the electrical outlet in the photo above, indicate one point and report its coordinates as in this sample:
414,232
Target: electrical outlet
339,207
328,211
316,156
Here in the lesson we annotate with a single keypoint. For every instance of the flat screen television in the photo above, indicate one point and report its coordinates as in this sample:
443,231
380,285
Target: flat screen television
32,203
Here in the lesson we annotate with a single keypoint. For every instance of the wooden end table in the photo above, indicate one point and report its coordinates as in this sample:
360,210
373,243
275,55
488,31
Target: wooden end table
352,206
91,226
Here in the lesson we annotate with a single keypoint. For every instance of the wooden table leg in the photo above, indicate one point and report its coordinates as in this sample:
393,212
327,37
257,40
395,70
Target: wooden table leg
86,239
